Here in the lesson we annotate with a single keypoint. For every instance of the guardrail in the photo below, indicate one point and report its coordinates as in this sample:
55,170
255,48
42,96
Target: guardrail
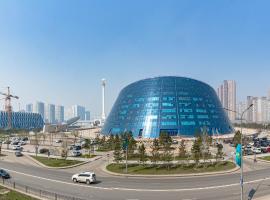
42,194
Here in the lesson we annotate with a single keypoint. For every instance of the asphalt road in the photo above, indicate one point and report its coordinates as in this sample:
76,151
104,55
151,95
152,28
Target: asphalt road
110,187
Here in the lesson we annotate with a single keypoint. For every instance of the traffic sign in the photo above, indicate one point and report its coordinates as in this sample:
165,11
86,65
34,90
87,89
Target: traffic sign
238,154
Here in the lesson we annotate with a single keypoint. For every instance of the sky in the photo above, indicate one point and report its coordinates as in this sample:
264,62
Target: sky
57,51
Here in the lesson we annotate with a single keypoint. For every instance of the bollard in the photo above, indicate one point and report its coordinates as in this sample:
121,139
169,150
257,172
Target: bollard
26,189
14,185
55,196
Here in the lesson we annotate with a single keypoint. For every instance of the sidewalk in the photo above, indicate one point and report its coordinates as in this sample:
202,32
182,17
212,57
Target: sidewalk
52,156
263,198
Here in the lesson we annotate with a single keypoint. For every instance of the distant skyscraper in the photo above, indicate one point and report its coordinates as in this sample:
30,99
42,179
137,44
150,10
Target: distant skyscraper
40,109
59,113
227,95
78,111
50,113
29,108
241,106
259,112
87,115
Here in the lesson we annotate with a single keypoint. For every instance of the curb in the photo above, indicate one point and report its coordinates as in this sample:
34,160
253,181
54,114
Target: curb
22,192
260,159
67,167
104,169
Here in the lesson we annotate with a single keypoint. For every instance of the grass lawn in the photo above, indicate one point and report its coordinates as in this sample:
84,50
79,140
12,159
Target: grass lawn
12,195
87,156
175,169
53,162
267,158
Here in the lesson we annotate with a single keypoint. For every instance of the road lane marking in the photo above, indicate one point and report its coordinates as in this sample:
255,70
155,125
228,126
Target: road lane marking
140,190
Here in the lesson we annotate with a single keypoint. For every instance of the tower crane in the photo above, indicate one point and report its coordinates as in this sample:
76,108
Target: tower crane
8,107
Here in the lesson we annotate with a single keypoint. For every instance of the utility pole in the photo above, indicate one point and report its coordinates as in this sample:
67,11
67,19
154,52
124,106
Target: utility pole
241,141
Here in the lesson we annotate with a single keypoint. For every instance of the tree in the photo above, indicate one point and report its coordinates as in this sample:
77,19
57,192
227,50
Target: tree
87,145
117,154
155,156
182,153
142,154
64,148
219,154
196,151
166,145
205,145
111,142
237,138
75,134
132,143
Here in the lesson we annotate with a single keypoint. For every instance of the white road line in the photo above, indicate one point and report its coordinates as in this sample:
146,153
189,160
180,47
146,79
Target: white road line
141,190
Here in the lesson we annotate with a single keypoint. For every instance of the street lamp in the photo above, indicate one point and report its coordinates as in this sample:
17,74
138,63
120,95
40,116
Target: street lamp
241,142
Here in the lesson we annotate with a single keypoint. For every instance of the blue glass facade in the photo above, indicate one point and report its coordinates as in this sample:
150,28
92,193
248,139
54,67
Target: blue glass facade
176,105
21,120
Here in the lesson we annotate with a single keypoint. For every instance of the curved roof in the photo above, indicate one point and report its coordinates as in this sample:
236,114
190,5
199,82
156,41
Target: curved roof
177,105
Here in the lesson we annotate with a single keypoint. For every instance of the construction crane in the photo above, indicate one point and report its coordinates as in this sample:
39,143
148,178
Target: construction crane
8,107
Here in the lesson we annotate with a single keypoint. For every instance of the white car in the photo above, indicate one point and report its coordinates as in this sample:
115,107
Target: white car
76,153
17,147
84,177
257,150
22,143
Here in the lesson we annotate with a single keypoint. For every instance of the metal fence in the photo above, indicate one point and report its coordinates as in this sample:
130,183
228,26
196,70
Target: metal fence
37,192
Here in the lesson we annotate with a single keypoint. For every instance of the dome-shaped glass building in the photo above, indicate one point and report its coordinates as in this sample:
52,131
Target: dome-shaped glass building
176,105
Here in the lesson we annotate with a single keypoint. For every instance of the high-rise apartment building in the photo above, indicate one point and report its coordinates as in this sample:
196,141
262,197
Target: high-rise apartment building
29,108
227,95
259,112
87,115
50,113
59,113
78,111
40,109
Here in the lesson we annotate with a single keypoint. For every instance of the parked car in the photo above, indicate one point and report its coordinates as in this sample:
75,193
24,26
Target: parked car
175,142
264,149
77,147
58,141
22,143
14,143
257,150
76,153
4,174
7,142
17,147
249,152
84,177
25,139
18,153
43,150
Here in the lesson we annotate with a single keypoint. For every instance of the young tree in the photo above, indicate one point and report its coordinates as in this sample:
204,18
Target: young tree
64,146
75,134
155,156
237,138
142,153
219,154
182,152
132,143
111,142
196,151
205,146
88,145
118,154
166,145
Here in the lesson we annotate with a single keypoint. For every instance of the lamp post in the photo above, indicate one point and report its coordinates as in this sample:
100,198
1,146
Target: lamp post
241,142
